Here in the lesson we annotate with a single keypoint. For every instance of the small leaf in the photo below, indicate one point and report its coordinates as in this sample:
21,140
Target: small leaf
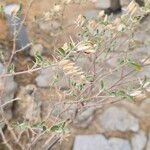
81,86
61,51
19,13
121,94
11,68
38,58
40,126
59,128
1,9
21,126
136,66
102,84
121,61
144,81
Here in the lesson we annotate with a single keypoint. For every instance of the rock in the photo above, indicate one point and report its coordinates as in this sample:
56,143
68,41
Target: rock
49,100
84,118
80,119
91,14
102,5
138,141
37,48
145,72
58,110
8,88
141,36
111,79
145,107
148,143
105,4
15,24
118,119
84,63
49,26
99,142
90,142
125,2
45,77
119,144
28,108
49,76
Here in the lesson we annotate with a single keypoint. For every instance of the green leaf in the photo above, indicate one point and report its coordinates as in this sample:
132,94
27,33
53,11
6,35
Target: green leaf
122,94
81,86
61,51
11,68
19,13
71,46
38,58
21,126
102,84
59,128
121,61
1,9
136,66
40,126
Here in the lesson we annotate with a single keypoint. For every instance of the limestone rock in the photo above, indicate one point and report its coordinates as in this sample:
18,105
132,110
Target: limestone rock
57,110
138,141
84,118
118,119
8,88
47,77
90,142
49,26
148,143
119,144
145,107
91,14
28,107
99,142
103,5
37,48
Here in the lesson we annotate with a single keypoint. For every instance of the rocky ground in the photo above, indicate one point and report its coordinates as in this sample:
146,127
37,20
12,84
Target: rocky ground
124,125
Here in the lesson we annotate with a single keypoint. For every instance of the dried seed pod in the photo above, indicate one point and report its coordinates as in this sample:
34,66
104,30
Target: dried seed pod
133,8
71,70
